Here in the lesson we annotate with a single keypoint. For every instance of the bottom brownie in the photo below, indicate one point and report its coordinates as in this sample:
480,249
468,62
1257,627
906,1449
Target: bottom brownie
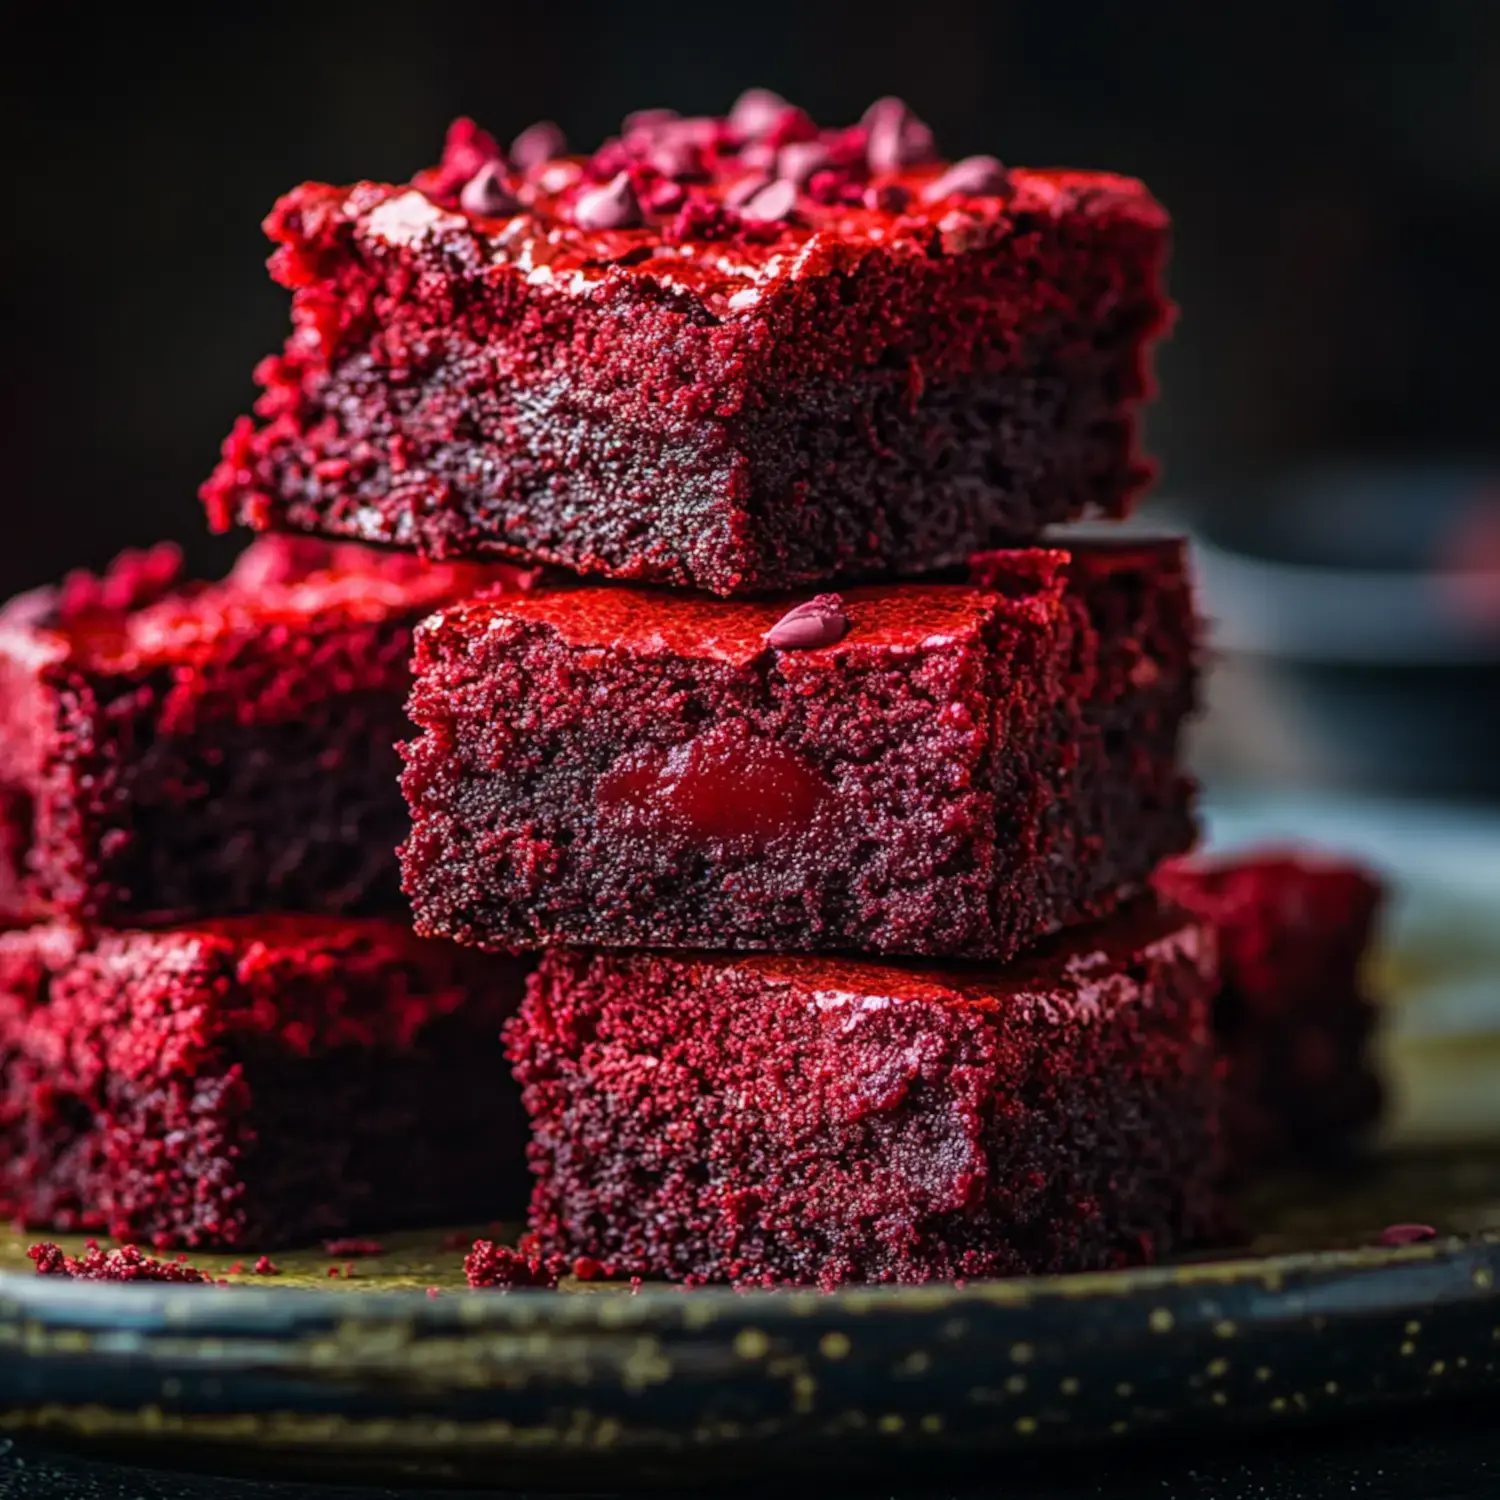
761,1120
253,1081
1294,1022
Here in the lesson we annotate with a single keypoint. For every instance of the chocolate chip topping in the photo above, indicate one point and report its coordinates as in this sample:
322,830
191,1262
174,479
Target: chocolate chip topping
976,176
773,204
797,162
755,112
487,193
888,198
647,119
537,145
745,189
819,622
897,138
613,206
1406,1234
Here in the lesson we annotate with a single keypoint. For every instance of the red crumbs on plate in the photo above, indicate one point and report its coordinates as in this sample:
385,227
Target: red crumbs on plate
501,1268
128,1263
1397,1235
265,1266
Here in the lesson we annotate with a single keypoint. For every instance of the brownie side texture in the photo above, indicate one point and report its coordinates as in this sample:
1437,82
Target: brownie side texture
253,1081
1294,1018
632,768
896,371
766,1120
172,749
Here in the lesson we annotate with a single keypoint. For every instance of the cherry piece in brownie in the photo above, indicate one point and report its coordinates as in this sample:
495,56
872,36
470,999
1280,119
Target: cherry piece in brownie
172,749
734,354
926,769
253,1081
1295,1023
766,1119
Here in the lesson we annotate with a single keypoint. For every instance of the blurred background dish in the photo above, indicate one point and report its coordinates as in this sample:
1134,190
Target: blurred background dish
1356,619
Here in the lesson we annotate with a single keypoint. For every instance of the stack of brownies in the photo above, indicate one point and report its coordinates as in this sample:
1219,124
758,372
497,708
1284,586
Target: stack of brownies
834,807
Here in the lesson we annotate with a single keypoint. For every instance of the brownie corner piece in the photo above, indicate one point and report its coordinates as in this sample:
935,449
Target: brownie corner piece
816,1121
253,1081
1295,1019
630,365
171,748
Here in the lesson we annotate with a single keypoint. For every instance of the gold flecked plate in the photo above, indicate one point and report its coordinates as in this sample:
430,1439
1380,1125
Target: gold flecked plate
590,1385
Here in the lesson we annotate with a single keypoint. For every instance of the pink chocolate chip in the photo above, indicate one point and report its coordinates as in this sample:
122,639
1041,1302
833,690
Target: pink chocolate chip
647,119
674,156
613,206
755,112
888,198
819,622
745,189
487,193
1407,1234
797,162
537,145
975,176
774,203
897,137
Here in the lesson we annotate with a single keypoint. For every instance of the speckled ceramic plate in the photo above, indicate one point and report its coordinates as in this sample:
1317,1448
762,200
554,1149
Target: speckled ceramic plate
594,1386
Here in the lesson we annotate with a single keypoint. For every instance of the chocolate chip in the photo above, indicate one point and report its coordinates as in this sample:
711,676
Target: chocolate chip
647,119
538,144
888,198
773,204
897,138
975,176
745,189
487,193
613,206
755,112
797,162
819,622
1397,1235
676,157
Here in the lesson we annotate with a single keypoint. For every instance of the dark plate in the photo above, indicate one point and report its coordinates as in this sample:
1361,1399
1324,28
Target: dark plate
371,1376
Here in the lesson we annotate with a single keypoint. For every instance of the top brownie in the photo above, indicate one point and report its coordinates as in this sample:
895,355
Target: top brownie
734,354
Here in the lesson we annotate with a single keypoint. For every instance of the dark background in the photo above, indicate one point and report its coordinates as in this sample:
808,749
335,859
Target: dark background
1334,170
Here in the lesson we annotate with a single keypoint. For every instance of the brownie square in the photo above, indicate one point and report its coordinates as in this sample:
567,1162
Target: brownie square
1294,1019
253,1081
766,1119
962,771
735,354
172,749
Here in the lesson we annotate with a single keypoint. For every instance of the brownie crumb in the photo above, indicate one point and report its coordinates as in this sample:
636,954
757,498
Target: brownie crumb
128,1263
356,1247
1396,1235
500,1268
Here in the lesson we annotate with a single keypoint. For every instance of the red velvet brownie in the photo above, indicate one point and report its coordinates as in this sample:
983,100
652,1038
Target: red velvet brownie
734,354
954,770
820,1120
1293,1018
172,749
253,1081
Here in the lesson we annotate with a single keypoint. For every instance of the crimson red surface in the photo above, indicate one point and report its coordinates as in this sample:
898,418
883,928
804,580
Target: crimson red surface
253,1081
967,769
882,378
764,1120
171,748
